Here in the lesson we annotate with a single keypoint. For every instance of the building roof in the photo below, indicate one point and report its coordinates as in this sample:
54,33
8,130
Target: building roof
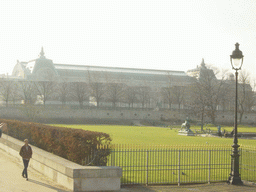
117,70
34,68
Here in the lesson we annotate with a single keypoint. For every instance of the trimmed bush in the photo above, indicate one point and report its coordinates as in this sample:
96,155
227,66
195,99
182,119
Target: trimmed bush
72,144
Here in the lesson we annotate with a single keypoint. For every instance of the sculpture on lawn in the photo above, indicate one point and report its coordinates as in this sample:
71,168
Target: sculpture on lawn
185,129
186,125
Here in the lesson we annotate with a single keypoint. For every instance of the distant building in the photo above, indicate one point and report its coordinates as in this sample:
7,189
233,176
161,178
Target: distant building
199,71
43,69
150,88
69,86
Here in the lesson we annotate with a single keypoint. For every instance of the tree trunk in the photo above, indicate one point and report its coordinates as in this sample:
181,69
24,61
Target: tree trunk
81,104
241,114
202,121
98,103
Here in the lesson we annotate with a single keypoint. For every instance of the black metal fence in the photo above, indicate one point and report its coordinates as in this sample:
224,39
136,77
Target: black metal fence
248,163
178,164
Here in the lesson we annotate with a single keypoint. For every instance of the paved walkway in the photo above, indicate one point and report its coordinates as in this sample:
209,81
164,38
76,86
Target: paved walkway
12,181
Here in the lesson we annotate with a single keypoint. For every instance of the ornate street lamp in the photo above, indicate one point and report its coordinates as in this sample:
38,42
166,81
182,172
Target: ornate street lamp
236,61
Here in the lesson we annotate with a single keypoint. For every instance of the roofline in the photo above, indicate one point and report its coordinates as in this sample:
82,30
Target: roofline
92,66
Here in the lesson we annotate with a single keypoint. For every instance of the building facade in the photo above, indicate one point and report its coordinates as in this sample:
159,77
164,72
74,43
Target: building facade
41,81
145,83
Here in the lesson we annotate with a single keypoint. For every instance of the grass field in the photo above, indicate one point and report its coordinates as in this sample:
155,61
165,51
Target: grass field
161,165
160,136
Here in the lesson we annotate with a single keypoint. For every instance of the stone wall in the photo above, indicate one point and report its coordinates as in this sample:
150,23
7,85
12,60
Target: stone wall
65,115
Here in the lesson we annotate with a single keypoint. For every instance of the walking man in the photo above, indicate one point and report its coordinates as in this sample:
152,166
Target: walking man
26,154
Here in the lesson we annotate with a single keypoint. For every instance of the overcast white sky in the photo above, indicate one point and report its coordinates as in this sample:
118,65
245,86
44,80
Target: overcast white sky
153,34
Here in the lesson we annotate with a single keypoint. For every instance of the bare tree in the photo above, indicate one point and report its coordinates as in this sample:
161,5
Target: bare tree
115,91
131,95
167,96
178,94
79,91
6,89
166,92
45,89
245,94
249,101
114,88
197,101
63,90
173,93
97,87
207,93
45,85
97,92
144,95
27,91
15,92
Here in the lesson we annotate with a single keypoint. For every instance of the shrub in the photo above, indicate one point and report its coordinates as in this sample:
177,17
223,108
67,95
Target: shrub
72,144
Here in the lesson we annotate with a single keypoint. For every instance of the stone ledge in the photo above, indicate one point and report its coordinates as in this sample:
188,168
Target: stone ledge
67,173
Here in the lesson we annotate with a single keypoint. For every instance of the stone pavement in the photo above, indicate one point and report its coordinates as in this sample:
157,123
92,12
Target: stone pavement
12,181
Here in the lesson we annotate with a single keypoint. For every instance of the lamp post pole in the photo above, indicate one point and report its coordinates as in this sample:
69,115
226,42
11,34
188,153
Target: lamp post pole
234,178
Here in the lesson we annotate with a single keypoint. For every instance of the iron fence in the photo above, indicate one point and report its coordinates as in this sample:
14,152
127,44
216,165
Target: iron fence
248,163
178,164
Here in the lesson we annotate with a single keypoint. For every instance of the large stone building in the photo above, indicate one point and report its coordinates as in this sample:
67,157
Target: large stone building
149,91
43,69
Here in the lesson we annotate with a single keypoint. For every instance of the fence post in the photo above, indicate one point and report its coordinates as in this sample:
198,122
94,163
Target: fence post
241,161
179,168
112,155
147,169
209,176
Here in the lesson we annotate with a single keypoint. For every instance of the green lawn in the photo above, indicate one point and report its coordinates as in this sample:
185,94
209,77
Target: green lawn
241,128
160,136
161,165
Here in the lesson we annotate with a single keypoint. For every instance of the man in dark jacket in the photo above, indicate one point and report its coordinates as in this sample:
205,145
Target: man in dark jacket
26,154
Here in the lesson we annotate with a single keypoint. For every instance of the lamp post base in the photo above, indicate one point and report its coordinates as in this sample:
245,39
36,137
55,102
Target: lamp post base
234,180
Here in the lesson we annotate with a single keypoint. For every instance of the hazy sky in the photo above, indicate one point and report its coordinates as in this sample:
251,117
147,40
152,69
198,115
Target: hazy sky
166,35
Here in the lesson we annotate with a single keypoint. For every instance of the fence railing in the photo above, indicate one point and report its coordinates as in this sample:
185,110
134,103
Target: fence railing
248,163
178,164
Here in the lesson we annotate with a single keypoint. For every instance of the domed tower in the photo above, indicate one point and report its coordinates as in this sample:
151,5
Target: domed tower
43,68
201,71
38,69
205,72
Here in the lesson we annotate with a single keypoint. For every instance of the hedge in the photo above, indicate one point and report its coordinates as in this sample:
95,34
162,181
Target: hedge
72,144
